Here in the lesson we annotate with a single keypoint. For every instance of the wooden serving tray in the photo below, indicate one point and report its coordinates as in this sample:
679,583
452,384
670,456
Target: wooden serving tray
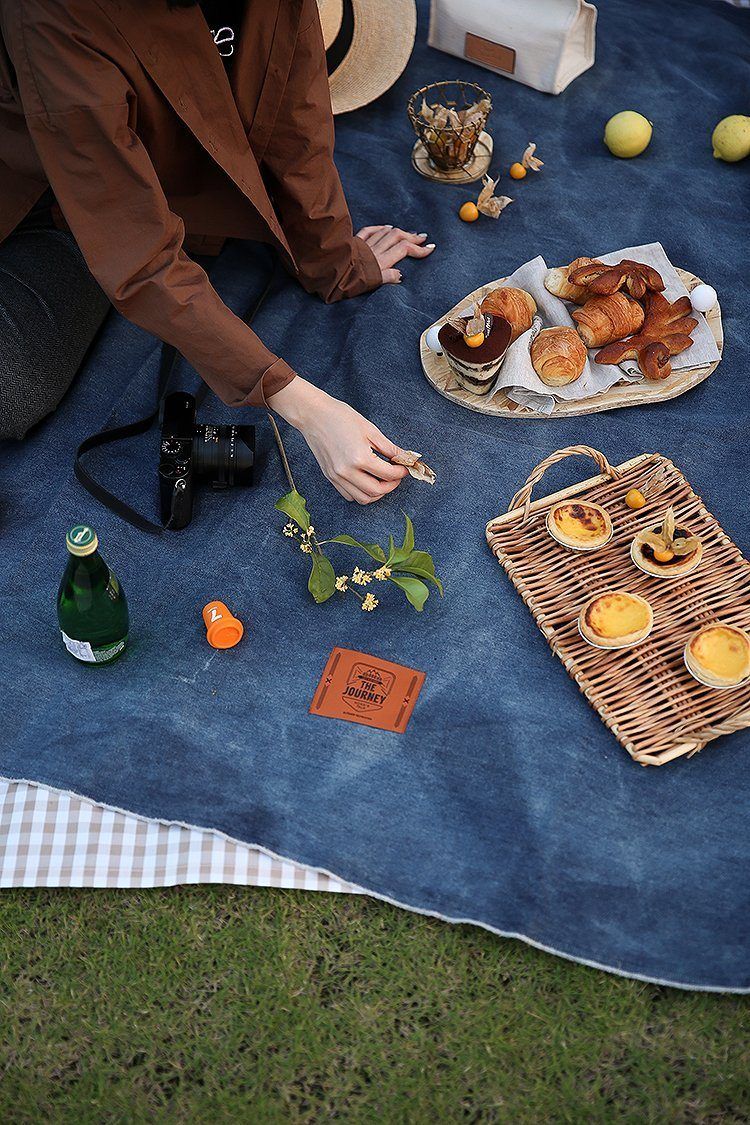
645,695
439,374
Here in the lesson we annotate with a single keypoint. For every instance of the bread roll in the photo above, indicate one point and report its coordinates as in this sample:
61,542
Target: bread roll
515,305
602,320
558,356
557,281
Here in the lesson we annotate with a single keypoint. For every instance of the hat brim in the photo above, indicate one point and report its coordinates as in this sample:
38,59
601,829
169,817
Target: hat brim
331,14
382,43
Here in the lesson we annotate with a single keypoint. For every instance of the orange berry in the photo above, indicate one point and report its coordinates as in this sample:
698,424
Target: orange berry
663,556
474,341
469,212
635,498
517,171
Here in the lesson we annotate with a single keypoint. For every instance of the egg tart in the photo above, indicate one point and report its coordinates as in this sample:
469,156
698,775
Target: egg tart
475,347
667,551
579,524
615,619
719,656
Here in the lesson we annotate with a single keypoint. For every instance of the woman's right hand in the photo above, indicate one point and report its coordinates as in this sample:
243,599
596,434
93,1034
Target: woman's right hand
343,442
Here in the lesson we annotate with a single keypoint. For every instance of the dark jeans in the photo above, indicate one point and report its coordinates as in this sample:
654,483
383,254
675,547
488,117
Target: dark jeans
50,310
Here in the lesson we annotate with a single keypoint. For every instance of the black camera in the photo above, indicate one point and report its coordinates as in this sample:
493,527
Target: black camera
222,456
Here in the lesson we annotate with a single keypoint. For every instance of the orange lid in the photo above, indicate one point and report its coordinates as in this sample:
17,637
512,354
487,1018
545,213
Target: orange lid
223,629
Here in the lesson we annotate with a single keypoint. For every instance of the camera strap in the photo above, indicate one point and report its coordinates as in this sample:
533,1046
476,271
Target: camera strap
167,363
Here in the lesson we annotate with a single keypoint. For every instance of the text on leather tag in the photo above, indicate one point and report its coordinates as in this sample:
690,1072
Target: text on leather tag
491,54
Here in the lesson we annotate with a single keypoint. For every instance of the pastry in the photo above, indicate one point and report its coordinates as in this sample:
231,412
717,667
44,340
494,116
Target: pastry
515,305
665,332
475,348
616,619
557,281
579,524
604,280
605,319
667,551
558,356
719,655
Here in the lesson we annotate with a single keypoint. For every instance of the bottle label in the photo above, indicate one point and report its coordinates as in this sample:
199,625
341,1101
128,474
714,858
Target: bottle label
82,650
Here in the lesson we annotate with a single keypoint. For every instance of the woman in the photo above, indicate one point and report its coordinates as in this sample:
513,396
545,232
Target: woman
126,142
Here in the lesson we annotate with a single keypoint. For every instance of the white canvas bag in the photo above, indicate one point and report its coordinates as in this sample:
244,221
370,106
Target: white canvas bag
542,43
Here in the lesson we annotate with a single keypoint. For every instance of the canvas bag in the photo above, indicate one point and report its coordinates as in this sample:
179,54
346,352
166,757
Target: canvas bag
542,43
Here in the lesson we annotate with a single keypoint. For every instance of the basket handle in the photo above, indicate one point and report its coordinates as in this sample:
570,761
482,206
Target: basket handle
523,496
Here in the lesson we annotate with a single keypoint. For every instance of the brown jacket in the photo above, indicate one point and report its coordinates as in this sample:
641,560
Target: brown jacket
125,109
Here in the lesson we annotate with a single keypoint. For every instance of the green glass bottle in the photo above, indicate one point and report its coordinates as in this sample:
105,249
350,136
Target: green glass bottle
92,610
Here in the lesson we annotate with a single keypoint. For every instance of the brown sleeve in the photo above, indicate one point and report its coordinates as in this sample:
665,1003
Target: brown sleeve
307,193
112,201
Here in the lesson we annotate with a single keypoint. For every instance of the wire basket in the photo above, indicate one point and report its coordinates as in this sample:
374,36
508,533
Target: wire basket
450,146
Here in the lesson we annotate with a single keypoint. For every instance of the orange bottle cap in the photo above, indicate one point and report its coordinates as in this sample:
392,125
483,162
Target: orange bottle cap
223,629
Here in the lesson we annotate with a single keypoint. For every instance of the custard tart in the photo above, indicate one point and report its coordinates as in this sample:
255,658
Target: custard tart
579,524
615,619
719,656
666,550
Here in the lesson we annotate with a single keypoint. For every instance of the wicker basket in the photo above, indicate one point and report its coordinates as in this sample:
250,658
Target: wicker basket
645,694
448,147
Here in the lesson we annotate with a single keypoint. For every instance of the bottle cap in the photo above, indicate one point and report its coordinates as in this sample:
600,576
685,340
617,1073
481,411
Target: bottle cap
223,630
81,540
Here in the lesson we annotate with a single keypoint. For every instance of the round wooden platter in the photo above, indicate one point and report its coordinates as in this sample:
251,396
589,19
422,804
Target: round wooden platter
439,374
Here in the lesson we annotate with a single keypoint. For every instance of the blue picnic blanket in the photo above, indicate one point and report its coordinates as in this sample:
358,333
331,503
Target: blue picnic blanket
506,803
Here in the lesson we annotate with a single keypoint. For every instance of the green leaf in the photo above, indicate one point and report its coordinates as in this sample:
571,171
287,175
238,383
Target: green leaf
373,550
391,549
406,548
322,582
416,591
294,506
420,563
408,543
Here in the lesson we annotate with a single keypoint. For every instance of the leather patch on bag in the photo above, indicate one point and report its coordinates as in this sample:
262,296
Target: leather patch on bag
364,689
489,54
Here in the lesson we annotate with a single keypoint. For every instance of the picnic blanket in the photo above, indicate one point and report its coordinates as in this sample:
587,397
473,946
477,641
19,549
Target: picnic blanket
506,803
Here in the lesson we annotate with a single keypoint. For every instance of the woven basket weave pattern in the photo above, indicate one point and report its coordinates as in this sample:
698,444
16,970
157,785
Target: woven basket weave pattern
645,695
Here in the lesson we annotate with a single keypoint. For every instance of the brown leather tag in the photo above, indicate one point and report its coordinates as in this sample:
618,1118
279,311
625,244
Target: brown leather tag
489,54
365,689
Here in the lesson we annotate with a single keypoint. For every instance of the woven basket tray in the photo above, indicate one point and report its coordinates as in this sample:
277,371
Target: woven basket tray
439,374
645,695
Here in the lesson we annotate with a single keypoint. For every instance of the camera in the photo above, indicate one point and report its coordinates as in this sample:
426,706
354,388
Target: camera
191,453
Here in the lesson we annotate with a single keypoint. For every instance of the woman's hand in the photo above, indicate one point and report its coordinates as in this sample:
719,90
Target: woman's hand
343,441
390,245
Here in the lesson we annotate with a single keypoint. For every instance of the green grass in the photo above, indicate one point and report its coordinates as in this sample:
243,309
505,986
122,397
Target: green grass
240,1005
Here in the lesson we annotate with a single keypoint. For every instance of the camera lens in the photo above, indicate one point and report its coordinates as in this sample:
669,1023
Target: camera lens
224,455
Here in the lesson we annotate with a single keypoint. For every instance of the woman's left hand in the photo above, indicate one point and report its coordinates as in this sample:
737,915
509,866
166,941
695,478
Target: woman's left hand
390,245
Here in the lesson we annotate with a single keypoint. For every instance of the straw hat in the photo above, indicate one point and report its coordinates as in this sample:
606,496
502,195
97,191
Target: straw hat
381,45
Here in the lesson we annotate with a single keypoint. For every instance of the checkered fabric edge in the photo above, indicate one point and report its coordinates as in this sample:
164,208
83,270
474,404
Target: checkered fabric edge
49,838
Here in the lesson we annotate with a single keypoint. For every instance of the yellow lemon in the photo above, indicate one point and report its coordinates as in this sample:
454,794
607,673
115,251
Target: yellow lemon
469,212
731,138
627,134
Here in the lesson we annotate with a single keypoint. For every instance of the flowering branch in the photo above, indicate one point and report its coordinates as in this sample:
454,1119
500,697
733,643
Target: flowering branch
405,567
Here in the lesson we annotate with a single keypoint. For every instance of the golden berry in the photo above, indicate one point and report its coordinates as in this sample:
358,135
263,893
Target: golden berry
663,556
474,341
469,212
635,498
517,171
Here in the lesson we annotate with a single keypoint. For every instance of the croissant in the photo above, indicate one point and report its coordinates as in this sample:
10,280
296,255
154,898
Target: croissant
605,319
602,280
665,332
558,356
514,305
557,281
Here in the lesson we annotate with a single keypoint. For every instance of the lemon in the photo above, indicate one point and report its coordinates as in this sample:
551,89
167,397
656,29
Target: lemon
627,134
731,138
